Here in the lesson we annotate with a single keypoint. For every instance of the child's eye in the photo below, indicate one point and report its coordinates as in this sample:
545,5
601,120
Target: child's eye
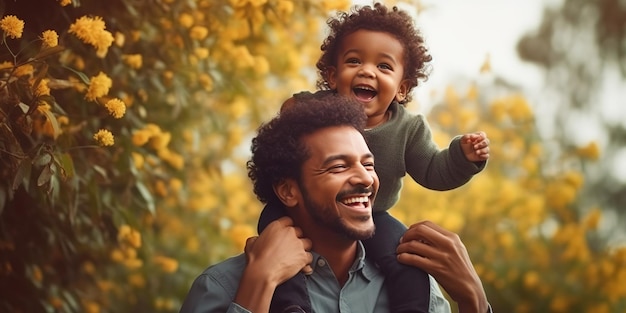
385,66
352,61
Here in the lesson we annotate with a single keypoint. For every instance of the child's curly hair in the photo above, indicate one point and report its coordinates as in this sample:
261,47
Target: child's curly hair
379,18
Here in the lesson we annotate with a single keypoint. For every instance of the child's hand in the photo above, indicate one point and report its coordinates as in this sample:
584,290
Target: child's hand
475,146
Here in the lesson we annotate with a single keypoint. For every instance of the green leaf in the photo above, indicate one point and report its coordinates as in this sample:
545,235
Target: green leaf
53,121
67,164
81,75
23,174
44,176
147,196
24,107
48,51
42,160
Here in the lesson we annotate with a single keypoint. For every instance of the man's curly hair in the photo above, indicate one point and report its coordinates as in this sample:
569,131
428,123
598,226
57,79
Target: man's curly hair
379,18
278,152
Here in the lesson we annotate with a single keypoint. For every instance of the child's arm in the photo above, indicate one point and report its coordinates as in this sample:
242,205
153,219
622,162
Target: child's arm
475,146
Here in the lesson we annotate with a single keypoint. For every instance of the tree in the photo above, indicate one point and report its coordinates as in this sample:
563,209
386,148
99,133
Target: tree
120,123
581,46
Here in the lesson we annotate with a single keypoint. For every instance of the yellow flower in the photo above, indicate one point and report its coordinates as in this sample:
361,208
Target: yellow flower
167,265
593,218
138,160
531,280
24,70
240,233
262,66
42,89
185,20
89,267
104,137
120,38
160,141
90,306
116,107
160,188
37,275
176,184
92,31
140,137
132,60
198,32
98,87
137,280
590,151
12,26
63,120
172,158
201,53
128,235
331,5
65,2
284,8
50,38
205,81
133,263
55,302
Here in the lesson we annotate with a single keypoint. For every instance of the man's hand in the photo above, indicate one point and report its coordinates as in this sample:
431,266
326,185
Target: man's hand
276,255
282,248
475,146
442,254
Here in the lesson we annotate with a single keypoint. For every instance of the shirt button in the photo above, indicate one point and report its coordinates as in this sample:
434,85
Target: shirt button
321,263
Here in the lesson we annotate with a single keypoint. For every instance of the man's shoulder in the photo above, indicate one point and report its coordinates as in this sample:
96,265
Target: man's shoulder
230,266
226,273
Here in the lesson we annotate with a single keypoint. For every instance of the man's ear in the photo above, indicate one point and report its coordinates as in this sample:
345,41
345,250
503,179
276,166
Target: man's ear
287,191
403,91
331,77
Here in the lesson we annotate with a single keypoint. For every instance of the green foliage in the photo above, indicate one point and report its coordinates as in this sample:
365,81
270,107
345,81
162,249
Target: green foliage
100,133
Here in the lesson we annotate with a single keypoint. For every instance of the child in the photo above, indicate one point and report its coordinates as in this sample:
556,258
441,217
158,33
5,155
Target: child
377,56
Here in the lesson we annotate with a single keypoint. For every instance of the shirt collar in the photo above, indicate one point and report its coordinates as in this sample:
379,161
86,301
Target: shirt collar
360,265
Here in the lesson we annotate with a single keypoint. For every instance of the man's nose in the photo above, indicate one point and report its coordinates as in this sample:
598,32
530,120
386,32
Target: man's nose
362,176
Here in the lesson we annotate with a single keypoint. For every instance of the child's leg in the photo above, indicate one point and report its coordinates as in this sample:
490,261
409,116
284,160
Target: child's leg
292,295
408,287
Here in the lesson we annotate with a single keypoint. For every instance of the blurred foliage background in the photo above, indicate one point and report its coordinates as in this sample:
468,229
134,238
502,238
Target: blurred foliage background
125,126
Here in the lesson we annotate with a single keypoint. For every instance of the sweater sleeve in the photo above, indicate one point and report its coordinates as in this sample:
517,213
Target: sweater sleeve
435,168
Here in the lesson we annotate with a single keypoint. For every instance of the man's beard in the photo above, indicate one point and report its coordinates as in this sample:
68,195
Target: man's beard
326,217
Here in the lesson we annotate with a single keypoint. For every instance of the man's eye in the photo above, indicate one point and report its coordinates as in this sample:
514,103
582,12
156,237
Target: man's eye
369,165
337,168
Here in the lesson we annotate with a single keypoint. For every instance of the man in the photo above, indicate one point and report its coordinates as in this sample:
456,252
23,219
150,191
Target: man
314,160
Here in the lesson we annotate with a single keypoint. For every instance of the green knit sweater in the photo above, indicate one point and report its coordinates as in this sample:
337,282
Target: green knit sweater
404,145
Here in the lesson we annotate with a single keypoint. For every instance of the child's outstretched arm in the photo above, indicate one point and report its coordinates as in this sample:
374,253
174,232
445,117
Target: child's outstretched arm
475,146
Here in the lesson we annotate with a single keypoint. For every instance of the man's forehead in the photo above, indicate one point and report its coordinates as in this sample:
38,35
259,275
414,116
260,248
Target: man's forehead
337,141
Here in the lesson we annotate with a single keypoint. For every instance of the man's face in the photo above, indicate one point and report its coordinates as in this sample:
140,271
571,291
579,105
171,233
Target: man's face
339,184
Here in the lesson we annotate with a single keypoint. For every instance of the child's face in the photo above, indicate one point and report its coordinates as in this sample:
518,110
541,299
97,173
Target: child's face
370,68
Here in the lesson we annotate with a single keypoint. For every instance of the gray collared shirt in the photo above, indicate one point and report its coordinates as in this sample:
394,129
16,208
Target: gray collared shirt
215,289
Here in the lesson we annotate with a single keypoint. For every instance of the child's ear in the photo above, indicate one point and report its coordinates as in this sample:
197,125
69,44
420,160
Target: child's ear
331,77
403,91
287,191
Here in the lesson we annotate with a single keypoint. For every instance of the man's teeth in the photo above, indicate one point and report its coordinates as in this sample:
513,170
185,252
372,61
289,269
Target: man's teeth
356,200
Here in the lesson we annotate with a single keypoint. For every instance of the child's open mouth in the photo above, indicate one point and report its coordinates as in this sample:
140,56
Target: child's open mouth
364,93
